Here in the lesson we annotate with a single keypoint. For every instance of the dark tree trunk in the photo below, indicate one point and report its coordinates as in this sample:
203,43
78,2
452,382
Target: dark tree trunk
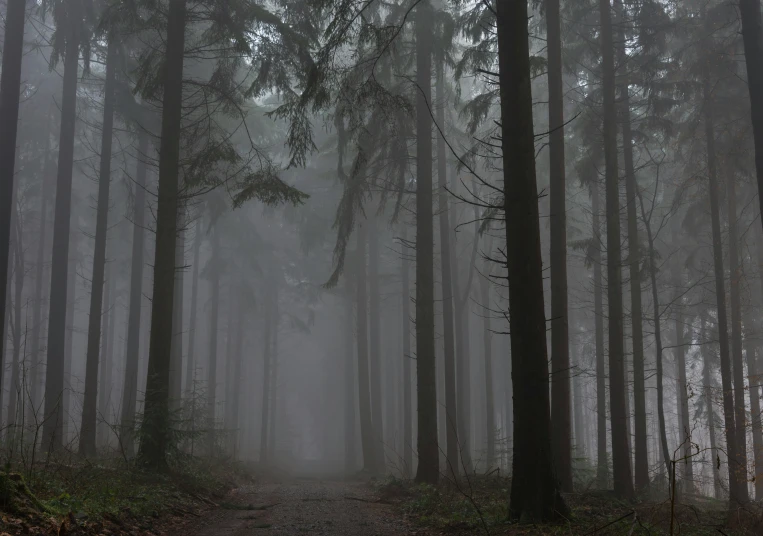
487,348
89,413
132,352
190,371
757,435
54,380
737,471
107,356
374,322
407,409
684,436
752,37
10,89
708,392
665,452
463,364
623,481
561,425
156,421
176,361
236,387
449,362
641,459
18,321
214,318
426,376
602,467
364,388
735,271
534,489
70,329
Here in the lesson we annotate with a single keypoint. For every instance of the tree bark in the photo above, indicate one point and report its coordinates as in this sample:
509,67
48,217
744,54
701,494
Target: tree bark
89,413
176,360
426,376
561,425
10,90
737,471
449,361
708,391
407,409
374,324
641,459
190,371
602,467
68,350
757,434
735,271
153,447
623,481
534,489
214,318
132,351
487,348
18,328
685,430
364,387
107,355
54,380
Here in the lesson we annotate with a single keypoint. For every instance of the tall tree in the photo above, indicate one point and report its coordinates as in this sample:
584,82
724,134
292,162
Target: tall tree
375,350
407,410
156,422
602,467
561,416
534,488
487,350
621,466
132,351
190,369
10,90
426,377
214,318
70,21
364,388
89,407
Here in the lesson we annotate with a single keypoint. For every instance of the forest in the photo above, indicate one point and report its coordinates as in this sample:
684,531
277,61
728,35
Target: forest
500,250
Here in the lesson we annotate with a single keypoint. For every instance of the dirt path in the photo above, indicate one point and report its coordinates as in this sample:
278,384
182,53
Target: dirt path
299,507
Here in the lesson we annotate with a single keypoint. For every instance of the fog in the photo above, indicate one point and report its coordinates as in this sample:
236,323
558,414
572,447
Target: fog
231,237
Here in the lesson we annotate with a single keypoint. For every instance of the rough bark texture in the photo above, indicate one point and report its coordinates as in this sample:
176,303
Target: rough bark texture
621,466
89,416
426,376
156,422
10,88
534,490
449,361
54,382
561,416
132,352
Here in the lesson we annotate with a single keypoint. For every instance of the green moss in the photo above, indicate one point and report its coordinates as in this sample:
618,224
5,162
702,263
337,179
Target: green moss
15,496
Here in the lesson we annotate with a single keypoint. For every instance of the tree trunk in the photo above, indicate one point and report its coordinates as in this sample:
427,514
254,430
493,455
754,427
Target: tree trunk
407,410
68,350
463,368
623,481
89,413
374,313
685,430
214,318
350,387
534,492
176,361
666,457
54,380
735,271
602,467
10,89
426,376
708,391
274,375
757,435
487,348
364,388
18,321
190,371
268,331
641,459
107,356
752,37
449,362
561,426
156,422
236,388
132,352
737,471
